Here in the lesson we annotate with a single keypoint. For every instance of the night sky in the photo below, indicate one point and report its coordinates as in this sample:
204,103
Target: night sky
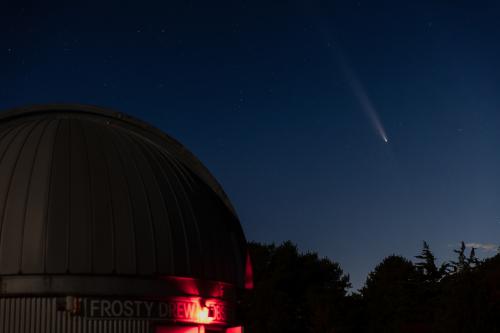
287,102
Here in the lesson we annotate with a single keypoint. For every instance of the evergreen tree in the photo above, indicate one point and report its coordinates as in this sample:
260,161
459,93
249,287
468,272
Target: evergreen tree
473,261
427,266
294,292
465,263
461,264
390,294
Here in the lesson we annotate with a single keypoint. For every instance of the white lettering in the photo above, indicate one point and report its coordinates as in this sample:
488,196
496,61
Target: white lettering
190,309
173,310
105,309
94,307
137,308
149,308
180,310
128,309
163,310
117,308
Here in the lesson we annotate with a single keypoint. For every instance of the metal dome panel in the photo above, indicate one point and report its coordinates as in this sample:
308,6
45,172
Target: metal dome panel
89,192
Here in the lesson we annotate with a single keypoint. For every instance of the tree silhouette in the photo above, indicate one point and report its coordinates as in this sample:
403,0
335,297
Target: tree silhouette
427,266
390,294
294,292
461,264
301,292
473,261
428,290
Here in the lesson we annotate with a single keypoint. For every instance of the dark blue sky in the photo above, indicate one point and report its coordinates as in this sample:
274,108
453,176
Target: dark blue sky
258,91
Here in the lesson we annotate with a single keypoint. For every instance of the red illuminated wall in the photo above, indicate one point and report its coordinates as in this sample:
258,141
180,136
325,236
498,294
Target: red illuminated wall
177,330
199,329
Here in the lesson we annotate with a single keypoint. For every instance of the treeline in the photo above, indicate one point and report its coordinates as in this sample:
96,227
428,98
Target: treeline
301,292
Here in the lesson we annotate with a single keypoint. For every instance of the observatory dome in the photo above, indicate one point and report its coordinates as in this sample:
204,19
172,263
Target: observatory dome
89,194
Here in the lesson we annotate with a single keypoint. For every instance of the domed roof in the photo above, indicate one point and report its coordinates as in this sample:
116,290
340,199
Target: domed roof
90,192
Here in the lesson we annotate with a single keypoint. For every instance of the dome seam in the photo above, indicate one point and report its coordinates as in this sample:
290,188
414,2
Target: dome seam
145,149
90,203
111,210
131,206
9,185
47,200
148,200
181,214
21,245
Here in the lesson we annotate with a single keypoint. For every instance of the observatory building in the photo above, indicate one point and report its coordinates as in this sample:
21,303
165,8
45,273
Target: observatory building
108,225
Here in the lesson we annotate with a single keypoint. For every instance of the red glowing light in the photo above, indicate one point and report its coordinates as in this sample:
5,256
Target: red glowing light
203,317
248,273
187,285
199,288
193,329
177,329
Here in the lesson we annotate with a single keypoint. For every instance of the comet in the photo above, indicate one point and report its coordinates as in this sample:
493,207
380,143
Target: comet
364,100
